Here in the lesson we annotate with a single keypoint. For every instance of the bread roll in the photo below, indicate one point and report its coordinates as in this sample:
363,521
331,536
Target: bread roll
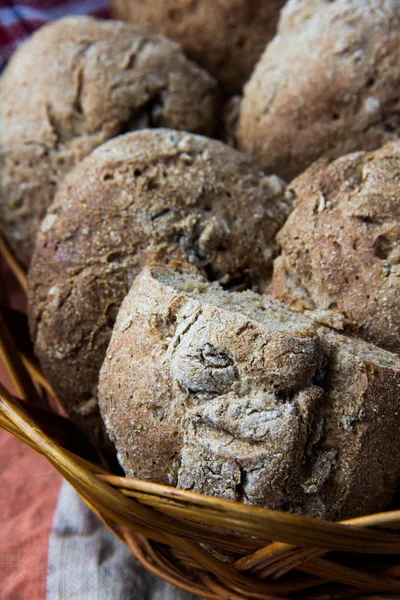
341,244
232,395
226,37
153,195
73,85
326,85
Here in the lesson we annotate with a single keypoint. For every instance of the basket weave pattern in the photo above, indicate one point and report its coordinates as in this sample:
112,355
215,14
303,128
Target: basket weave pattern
169,530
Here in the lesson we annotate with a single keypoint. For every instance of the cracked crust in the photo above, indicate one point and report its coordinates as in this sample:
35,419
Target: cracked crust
226,37
341,244
341,97
150,195
73,85
231,394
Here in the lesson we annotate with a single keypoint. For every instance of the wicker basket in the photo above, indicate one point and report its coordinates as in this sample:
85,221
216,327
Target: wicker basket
169,530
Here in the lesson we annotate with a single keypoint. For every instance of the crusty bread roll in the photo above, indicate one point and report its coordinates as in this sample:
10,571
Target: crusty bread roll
233,395
225,36
326,85
73,85
153,195
341,244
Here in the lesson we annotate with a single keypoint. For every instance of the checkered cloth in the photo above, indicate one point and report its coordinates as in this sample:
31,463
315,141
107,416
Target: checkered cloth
19,19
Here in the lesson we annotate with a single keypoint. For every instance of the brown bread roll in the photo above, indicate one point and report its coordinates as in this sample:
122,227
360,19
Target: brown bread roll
233,395
341,244
73,85
153,195
225,36
326,85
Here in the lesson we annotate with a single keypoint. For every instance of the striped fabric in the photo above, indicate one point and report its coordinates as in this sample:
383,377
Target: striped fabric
19,19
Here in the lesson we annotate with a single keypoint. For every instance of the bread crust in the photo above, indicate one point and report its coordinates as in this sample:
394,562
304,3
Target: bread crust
340,245
296,13
153,195
338,98
226,37
233,395
73,85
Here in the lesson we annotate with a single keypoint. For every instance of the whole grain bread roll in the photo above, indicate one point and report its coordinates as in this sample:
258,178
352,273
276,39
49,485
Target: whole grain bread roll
233,395
153,195
226,37
341,244
73,85
327,85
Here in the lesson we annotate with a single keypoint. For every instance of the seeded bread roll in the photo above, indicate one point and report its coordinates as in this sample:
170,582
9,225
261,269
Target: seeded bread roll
327,86
233,395
226,37
73,85
153,195
341,244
